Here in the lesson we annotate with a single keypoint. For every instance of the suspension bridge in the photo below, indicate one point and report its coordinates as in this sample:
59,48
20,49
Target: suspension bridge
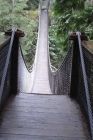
44,104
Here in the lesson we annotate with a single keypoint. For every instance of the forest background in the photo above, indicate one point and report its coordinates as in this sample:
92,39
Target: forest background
65,16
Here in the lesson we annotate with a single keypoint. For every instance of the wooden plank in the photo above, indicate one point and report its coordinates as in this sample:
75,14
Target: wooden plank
27,137
42,117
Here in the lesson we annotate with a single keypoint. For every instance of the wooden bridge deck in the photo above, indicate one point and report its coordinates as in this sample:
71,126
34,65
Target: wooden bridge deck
40,72
42,117
38,80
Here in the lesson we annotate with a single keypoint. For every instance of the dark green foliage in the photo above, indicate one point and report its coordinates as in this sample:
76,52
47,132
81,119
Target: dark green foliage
69,15
26,20
65,15
72,16
76,21
65,5
32,4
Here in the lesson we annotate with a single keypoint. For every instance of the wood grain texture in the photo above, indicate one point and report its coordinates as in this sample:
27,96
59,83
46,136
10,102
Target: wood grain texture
42,117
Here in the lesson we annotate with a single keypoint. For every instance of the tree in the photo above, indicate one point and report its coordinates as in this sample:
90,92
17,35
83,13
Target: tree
26,20
69,15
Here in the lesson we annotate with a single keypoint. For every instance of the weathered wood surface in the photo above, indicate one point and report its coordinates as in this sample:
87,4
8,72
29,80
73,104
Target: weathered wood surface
88,45
42,117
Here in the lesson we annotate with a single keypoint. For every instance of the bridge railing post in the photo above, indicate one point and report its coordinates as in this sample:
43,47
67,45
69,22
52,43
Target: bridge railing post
14,60
75,63
80,85
9,65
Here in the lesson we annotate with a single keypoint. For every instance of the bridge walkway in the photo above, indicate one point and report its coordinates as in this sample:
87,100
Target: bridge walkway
42,117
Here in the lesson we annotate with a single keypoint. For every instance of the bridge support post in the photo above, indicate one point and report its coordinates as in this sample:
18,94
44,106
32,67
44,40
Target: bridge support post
14,60
75,64
74,73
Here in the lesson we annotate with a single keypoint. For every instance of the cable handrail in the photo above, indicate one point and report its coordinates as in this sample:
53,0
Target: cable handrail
29,70
55,70
3,44
85,83
63,61
60,78
7,63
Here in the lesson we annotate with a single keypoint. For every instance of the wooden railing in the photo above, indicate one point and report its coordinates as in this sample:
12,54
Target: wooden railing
9,65
81,88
